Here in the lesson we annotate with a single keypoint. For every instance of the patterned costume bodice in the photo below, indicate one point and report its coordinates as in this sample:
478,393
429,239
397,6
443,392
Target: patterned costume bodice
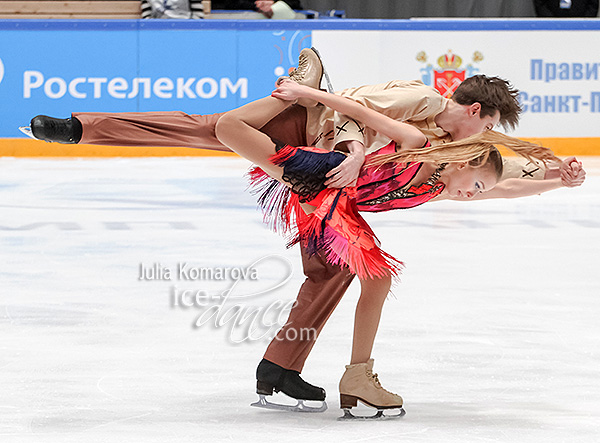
386,187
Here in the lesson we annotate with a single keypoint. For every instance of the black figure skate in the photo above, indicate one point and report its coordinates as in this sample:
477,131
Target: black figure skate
50,129
271,377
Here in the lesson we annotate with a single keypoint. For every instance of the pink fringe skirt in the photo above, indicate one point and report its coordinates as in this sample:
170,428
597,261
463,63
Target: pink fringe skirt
335,228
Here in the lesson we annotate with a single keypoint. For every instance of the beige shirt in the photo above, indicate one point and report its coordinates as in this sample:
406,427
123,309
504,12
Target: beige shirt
408,101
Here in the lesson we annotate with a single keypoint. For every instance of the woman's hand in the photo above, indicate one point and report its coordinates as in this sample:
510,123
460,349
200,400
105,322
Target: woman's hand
289,90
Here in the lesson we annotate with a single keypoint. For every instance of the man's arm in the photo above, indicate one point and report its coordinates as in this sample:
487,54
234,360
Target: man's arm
402,133
380,107
398,100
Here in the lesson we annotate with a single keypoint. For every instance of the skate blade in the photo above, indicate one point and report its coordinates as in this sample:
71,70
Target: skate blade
325,74
299,407
27,131
379,415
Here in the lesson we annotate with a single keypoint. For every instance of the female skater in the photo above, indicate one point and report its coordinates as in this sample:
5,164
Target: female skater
406,173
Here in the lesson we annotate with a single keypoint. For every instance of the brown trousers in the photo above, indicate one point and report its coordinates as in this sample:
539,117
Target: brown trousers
324,285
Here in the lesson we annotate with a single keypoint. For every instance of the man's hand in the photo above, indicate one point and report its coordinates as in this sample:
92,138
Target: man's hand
347,172
572,173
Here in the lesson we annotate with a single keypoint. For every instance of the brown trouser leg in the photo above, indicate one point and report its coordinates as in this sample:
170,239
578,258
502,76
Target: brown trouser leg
178,129
175,129
324,285
321,292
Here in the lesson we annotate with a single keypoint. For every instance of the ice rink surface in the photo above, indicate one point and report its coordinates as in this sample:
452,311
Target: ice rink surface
492,336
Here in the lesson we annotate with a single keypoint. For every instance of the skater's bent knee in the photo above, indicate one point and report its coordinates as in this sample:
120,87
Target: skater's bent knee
225,128
380,282
377,287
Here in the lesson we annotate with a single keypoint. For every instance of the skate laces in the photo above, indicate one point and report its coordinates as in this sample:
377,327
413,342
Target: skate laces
298,73
375,378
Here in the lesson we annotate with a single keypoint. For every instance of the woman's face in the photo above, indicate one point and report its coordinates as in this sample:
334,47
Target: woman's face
464,181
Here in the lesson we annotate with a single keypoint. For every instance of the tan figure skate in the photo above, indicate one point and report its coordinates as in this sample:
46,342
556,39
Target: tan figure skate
360,384
308,73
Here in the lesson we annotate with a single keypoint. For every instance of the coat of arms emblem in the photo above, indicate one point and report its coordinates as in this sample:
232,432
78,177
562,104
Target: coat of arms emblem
448,75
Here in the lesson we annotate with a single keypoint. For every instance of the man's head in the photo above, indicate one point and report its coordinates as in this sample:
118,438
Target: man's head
494,96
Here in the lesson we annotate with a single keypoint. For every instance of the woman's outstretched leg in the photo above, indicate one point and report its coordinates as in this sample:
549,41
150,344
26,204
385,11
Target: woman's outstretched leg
240,131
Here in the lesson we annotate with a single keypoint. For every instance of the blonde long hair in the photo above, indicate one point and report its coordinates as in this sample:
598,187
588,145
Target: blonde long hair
474,148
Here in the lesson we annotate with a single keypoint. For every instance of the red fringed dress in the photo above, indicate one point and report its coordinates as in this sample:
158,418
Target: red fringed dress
335,227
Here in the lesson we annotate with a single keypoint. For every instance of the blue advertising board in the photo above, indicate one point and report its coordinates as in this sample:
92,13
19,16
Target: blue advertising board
120,68
56,67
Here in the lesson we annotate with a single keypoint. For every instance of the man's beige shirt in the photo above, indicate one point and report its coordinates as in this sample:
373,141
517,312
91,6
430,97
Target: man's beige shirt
409,101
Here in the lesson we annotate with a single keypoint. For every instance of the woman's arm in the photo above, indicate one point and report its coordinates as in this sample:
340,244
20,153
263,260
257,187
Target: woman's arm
510,188
402,133
569,174
517,187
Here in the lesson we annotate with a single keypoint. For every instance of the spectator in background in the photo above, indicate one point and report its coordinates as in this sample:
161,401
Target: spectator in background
566,8
263,6
177,9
